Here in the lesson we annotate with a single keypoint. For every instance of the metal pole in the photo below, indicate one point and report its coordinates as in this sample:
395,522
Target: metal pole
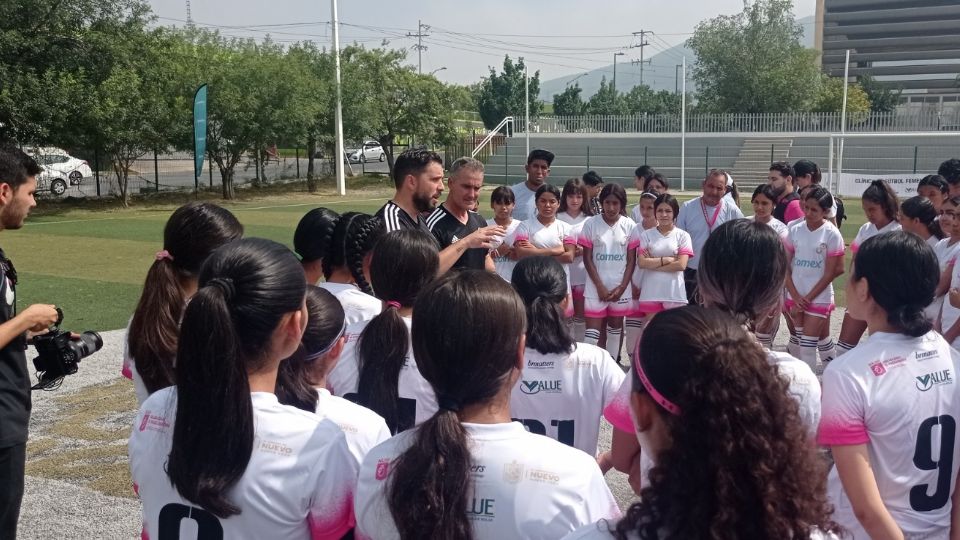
338,126
156,172
210,168
615,55
706,162
683,127
830,182
96,168
506,161
526,101
843,112
588,157
915,151
645,155
297,155
771,152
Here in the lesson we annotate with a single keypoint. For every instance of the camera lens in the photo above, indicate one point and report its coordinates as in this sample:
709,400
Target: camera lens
90,342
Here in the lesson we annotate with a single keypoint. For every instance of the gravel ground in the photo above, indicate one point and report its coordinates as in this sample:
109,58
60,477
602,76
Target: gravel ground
78,485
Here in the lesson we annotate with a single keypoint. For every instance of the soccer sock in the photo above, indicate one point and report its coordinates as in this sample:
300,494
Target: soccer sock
808,350
578,326
793,346
634,327
614,341
591,336
842,347
767,340
827,349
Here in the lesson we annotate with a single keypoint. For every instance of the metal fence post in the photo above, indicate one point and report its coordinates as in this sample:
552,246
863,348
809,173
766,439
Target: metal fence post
915,150
645,155
297,156
96,168
210,168
156,173
706,162
771,152
506,162
588,157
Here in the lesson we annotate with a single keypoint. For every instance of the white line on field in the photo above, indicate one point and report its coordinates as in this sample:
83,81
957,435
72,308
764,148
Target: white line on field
313,204
73,221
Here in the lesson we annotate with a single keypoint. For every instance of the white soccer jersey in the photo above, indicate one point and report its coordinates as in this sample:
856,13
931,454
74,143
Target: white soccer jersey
778,226
657,286
638,272
898,396
562,396
578,272
526,204
415,393
357,305
946,255
129,369
543,236
609,245
601,531
869,230
363,428
635,214
524,486
809,251
503,263
298,483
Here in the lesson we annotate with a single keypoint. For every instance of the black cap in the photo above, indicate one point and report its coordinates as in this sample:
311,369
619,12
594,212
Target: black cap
540,153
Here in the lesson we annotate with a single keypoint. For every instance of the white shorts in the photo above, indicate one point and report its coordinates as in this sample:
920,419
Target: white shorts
597,309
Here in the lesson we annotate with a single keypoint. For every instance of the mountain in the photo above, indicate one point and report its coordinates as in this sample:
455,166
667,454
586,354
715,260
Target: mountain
660,74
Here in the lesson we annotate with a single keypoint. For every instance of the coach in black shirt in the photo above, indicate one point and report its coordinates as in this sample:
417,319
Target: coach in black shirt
18,182
454,221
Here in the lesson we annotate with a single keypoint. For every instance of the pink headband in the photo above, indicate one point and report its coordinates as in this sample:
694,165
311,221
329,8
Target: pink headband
164,254
662,400
393,304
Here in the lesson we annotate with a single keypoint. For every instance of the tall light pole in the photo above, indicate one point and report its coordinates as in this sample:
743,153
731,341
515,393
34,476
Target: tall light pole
571,81
526,101
338,125
615,55
438,69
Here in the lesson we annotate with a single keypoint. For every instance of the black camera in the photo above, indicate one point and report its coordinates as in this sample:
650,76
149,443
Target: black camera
59,354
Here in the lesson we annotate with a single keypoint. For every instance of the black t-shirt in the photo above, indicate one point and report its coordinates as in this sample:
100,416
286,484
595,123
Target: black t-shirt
396,218
448,230
14,377
781,209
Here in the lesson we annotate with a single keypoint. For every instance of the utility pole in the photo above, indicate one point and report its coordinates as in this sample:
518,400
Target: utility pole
676,79
615,55
642,44
420,47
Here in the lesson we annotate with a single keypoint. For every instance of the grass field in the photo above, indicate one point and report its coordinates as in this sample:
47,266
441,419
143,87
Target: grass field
92,260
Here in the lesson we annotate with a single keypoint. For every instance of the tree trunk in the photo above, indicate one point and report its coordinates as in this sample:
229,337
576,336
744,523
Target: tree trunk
311,179
386,142
122,173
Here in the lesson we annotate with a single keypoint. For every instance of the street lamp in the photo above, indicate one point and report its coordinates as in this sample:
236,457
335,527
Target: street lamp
438,69
615,55
571,81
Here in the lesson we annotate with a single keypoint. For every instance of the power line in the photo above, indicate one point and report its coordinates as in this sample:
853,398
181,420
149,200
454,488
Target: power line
420,47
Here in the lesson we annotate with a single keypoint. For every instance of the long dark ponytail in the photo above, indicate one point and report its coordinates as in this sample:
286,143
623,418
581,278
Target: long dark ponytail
193,231
403,263
314,234
246,287
296,383
353,238
430,484
542,284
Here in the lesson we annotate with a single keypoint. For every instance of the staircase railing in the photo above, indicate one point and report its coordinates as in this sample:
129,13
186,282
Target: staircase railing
505,123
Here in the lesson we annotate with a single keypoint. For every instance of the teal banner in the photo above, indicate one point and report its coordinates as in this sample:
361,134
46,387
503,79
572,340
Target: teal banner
199,130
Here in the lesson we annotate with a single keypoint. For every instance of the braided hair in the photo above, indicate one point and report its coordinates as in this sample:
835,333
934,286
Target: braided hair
314,234
353,238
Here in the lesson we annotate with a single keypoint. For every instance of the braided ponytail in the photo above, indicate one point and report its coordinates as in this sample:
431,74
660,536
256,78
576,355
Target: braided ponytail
353,238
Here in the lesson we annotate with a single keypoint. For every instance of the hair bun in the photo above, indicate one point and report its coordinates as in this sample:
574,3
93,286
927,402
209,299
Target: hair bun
225,285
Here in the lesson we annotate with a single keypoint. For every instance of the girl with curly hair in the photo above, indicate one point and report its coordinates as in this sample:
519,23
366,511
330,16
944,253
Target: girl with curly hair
733,458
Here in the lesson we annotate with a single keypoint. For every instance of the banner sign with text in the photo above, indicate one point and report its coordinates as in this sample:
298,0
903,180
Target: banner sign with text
904,185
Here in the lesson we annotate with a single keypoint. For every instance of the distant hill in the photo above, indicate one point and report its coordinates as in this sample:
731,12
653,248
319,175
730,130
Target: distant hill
661,73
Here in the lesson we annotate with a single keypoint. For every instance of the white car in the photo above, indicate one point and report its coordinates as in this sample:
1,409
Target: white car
60,169
370,151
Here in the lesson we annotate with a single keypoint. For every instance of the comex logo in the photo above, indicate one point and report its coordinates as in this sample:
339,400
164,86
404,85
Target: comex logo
535,387
928,381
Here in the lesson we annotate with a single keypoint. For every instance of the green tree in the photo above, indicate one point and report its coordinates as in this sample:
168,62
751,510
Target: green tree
569,102
502,95
641,99
883,97
830,97
606,101
753,62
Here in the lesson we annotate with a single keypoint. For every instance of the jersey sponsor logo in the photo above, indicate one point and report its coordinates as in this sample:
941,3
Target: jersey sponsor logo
541,364
927,355
937,378
481,509
272,447
822,248
877,368
513,472
454,239
807,263
572,362
154,423
383,469
547,387
543,477
600,257
348,428
477,471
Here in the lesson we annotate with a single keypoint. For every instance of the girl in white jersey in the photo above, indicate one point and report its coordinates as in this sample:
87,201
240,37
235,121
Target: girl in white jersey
633,323
193,231
935,188
378,369
890,404
574,212
947,250
468,471
816,259
710,410
764,200
609,263
346,268
312,241
564,385
732,281
663,253
502,200
544,234
301,380
217,452
881,209
918,216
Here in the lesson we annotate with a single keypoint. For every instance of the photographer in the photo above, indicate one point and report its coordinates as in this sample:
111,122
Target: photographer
18,182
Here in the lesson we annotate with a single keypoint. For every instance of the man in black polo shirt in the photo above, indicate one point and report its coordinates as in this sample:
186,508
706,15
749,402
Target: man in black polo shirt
453,220
18,182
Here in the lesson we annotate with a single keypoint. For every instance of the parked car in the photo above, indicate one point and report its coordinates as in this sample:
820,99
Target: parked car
60,169
370,151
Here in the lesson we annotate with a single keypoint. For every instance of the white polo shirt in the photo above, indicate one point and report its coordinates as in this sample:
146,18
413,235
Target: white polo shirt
699,220
526,207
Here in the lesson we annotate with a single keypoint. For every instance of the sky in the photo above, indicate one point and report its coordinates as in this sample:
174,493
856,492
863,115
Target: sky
558,38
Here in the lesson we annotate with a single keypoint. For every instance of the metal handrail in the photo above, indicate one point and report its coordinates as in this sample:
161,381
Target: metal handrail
506,122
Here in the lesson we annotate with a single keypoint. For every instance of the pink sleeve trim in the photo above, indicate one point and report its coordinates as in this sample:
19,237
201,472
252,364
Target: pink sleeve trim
569,241
854,247
685,251
833,434
835,253
634,244
521,238
125,370
583,241
793,211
